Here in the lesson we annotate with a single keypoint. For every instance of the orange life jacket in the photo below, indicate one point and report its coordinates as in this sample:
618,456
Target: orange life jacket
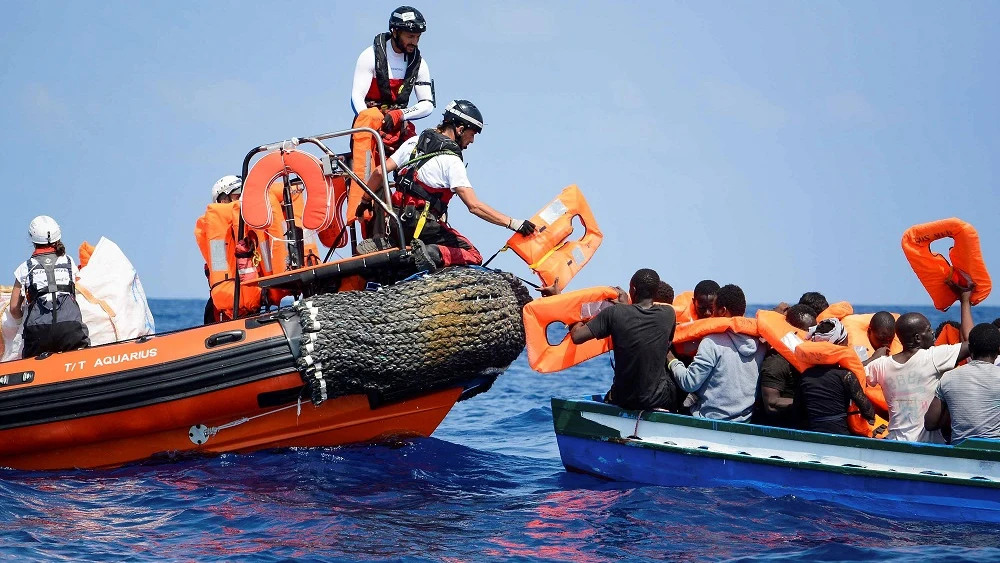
335,236
838,310
934,270
694,331
86,250
949,335
547,251
215,232
566,308
827,354
684,307
857,332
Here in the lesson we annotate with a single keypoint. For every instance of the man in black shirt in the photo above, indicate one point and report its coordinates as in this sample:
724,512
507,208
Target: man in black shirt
778,379
641,334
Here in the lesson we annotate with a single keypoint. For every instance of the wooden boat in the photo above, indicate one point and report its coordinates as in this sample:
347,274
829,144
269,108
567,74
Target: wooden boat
912,480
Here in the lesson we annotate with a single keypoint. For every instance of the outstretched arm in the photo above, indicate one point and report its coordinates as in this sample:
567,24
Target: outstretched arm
580,333
965,298
424,92
483,211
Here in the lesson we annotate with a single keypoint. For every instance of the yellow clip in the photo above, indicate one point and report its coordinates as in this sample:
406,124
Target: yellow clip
421,221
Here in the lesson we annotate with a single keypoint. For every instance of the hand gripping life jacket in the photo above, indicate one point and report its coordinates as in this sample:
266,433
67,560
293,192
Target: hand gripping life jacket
391,93
215,232
934,270
827,354
684,307
548,251
53,324
838,310
566,308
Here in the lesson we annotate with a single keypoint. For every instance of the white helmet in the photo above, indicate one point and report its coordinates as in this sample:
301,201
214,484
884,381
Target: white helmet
227,185
44,230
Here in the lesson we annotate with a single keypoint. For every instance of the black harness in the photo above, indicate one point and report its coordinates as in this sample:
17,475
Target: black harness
431,143
47,263
401,98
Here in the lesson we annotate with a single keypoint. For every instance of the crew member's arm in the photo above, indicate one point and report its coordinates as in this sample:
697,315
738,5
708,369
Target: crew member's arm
424,92
16,301
693,377
374,181
364,71
937,416
488,214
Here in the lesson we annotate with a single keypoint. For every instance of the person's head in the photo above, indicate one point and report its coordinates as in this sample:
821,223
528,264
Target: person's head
814,299
940,327
405,25
801,317
730,302
643,285
914,331
984,342
664,293
45,232
227,189
996,322
704,298
829,330
881,329
463,120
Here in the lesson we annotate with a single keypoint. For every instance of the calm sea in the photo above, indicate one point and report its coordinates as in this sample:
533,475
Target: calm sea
488,486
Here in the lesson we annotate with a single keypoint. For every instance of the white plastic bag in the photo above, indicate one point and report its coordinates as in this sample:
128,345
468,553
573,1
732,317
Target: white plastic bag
10,347
111,297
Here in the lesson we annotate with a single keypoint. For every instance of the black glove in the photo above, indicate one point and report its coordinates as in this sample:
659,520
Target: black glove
392,120
525,227
365,205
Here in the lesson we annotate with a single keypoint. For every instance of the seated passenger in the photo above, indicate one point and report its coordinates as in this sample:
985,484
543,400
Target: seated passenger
825,393
723,375
641,335
664,294
969,395
909,378
881,331
45,294
815,300
778,379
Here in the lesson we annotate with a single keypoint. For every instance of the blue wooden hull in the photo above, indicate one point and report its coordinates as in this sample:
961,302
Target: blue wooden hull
678,451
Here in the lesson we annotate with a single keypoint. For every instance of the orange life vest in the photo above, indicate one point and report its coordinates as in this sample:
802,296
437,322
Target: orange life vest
857,332
827,354
949,335
547,251
838,310
274,243
335,236
566,308
694,331
684,307
215,232
934,270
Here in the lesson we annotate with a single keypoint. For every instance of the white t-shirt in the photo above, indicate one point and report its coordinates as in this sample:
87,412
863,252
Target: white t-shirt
364,73
41,282
909,389
444,171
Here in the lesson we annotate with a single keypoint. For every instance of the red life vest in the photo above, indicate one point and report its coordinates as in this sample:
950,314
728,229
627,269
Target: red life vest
392,93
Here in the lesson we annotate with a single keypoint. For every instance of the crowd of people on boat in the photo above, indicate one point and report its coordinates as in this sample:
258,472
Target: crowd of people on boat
934,391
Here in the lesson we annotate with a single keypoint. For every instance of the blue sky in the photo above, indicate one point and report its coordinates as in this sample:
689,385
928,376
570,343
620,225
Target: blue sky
782,146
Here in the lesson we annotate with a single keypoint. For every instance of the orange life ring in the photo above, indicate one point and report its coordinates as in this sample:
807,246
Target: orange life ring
934,270
318,212
547,251
566,308
838,310
826,354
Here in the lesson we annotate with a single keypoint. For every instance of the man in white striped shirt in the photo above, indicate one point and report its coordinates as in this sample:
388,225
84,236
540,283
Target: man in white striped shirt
969,395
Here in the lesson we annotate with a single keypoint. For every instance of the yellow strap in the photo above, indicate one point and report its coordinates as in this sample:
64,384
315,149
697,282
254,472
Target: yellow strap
545,257
103,305
421,221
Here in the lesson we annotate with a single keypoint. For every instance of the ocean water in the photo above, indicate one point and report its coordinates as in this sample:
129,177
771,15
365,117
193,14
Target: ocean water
487,486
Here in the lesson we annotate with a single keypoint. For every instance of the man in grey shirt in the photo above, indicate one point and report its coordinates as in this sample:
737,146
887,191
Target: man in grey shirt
969,395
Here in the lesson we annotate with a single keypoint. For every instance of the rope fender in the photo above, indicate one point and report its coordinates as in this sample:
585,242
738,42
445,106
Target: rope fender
451,326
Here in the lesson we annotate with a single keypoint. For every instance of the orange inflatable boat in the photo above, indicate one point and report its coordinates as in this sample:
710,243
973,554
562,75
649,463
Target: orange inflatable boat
964,262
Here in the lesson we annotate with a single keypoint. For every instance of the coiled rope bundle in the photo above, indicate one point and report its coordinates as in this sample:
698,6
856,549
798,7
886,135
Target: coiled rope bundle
446,327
